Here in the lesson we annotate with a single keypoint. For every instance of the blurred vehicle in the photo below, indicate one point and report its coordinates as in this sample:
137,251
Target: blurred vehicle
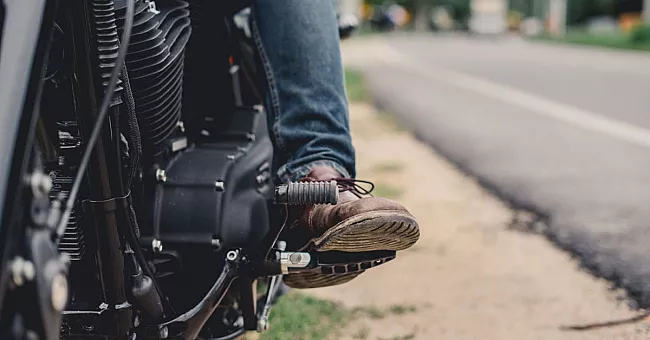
349,12
381,20
348,24
488,16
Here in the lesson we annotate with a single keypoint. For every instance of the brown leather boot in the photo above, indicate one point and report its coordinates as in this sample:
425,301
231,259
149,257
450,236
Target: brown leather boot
358,223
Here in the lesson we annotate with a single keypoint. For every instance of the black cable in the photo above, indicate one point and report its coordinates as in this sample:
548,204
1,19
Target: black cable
135,141
101,116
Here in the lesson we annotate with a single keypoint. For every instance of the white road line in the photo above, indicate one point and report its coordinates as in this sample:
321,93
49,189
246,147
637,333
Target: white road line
531,102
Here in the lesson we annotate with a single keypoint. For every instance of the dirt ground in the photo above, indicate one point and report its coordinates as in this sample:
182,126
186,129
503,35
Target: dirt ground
472,275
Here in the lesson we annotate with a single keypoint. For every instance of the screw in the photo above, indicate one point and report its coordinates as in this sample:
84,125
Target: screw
41,184
164,333
216,242
156,245
281,245
22,271
232,255
59,292
231,157
161,175
219,185
295,258
262,324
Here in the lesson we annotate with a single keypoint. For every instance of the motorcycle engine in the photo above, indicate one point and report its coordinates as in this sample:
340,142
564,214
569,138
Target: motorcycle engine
155,63
192,137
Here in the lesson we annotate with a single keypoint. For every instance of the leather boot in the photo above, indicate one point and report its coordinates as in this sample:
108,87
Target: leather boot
358,223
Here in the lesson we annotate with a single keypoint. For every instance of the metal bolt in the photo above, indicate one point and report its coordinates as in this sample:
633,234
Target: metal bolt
41,184
164,332
232,255
156,245
262,324
161,175
281,245
295,258
151,7
59,292
22,271
219,185
216,242
231,157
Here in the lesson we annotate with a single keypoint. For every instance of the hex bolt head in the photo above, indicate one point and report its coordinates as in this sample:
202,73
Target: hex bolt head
219,186
232,255
161,175
156,245
262,324
215,242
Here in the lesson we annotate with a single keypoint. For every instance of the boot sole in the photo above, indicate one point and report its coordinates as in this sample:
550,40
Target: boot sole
317,280
371,231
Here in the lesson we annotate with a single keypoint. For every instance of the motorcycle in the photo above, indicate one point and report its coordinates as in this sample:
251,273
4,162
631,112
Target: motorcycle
138,200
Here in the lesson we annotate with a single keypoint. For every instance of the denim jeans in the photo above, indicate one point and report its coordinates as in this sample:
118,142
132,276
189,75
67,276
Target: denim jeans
298,43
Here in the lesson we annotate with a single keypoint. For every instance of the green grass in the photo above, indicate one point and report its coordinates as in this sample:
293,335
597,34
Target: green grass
300,317
388,168
355,86
391,121
387,191
401,310
617,40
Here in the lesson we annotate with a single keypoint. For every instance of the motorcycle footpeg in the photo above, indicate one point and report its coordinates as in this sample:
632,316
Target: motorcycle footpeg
333,262
305,193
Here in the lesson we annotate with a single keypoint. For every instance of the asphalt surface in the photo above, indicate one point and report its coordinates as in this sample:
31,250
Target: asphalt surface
561,131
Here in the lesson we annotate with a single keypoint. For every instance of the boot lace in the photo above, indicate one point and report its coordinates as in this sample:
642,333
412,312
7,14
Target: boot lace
355,186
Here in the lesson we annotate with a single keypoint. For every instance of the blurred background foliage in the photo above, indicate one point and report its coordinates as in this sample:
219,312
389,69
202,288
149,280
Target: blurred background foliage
614,23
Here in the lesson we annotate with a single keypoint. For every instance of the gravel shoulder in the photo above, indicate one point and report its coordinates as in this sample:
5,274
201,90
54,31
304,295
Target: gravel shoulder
476,273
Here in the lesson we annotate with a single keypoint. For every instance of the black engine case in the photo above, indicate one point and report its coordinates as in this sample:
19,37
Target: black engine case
216,194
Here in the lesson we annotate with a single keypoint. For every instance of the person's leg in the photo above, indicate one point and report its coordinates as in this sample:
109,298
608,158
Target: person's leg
308,114
298,42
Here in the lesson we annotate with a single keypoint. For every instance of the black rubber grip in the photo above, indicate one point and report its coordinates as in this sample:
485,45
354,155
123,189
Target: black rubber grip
305,193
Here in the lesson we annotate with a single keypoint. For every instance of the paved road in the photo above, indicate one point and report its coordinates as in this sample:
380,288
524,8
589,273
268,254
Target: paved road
562,131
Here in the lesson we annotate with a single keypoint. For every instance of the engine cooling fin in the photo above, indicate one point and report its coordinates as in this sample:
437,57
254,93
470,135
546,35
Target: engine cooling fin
107,44
155,62
62,175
